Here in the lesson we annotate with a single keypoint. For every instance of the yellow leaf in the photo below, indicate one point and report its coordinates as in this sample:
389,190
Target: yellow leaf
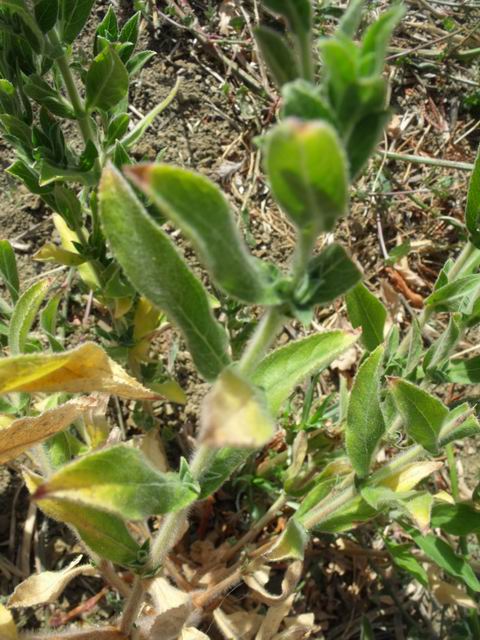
122,307
68,237
51,253
234,414
443,496
8,628
46,587
147,318
410,476
23,433
171,391
82,370
420,510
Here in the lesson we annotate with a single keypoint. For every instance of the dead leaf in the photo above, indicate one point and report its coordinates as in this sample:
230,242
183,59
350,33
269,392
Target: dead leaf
169,624
92,633
289,582
274,618
23,433
190,633
46,587
8,628
446,593
153,449
241,624
82,370
165,596
226,12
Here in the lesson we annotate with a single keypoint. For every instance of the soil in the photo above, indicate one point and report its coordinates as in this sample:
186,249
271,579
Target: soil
211,127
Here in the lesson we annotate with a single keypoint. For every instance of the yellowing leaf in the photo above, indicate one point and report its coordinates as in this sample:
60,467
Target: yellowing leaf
8,628
234,414
420,510
51,253
170,390
410,476
23,433
46,587
68,238
82,370
443,496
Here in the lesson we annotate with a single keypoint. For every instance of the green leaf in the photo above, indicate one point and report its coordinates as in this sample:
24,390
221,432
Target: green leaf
24,314
224,462
37,89
403,559
73,17
303,100
331,274
363,140
443,555
46,14
201,211
415,347
105,534
142,125
278,55
234,414
459,295
307,170
456,519
366,311
50,173
365,425
129,31
291,544
366,631
440,350
472,211
20,8
348,517
118,480
351,18
376,39
8,269
282,370
138,61
107,81
154,267
48,322
298,14
461,423
117,127
464,371
422,413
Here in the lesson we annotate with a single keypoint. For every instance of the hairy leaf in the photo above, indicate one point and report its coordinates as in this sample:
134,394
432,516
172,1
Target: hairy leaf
234,414
118,480
283,369
23,433
307,169
224,462
8,269
200,209
366,311
24,314
82,370
472,211
459,295
107,80
105,534
365,425
422,413
73,16
154,267
278,55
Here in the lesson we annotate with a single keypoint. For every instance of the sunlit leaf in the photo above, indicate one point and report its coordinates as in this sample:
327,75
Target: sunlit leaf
84,369
23,315
118,480
23,433
283,369
234,414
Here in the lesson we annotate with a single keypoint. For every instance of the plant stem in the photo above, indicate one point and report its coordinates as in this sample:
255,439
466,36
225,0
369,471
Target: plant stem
436,162
132,606
262,339
82,116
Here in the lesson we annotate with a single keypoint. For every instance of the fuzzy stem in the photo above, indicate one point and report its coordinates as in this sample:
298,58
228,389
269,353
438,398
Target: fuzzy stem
133,606
262,339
